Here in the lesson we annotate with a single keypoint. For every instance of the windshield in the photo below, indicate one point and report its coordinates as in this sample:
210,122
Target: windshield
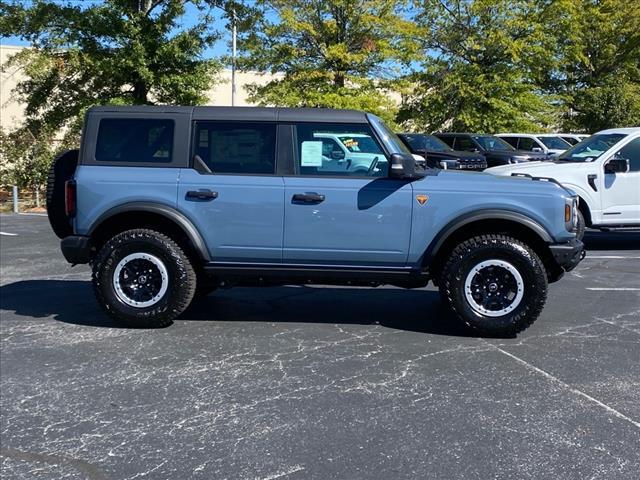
359,144
391,140
591,148
491,143
554,142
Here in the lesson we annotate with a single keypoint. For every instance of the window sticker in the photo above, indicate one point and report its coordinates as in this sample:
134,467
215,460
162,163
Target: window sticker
311,155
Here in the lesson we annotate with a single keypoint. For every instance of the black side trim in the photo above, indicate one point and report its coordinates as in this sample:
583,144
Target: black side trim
183,222
463,220
338,275
76,249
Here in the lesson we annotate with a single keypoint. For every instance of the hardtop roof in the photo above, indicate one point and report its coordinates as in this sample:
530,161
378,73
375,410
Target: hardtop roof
264,114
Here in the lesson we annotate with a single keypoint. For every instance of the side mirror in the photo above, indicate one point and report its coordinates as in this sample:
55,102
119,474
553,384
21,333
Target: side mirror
403,166
617,165
337,155
536,149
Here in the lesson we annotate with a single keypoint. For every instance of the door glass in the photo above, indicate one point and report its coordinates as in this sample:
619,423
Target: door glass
631,152
513,141
527,143
134,140
236,147
465,144
338,149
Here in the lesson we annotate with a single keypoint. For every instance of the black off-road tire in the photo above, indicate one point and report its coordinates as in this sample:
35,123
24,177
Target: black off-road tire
582,225
62,169
181,278
471,253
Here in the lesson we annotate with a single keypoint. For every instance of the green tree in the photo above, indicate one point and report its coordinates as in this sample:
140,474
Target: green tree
116,51
482,60
597,61
329,53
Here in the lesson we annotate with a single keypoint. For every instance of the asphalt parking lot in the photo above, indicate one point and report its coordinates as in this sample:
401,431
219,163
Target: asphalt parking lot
316,382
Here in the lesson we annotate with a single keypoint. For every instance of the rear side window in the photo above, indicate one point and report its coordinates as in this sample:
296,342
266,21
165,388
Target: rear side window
240,148
134,140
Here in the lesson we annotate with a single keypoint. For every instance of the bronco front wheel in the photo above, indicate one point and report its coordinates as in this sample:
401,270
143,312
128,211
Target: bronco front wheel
495,284
143,278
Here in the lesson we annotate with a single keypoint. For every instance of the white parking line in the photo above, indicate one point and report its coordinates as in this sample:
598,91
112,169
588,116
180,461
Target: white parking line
9,234
35,214
609,257
621,289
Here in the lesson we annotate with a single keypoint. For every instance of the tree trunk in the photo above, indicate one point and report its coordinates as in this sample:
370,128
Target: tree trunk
338,80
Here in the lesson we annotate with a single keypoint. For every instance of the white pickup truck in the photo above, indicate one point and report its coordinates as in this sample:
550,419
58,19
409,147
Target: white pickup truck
604,170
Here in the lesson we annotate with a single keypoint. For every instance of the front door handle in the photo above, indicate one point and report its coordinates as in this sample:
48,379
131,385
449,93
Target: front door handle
202,195
307,198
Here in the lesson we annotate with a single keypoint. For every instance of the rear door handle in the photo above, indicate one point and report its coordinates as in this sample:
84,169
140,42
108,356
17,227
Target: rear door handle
307,198
202,195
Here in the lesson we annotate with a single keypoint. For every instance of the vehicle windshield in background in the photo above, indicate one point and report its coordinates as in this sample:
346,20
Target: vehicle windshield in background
591,148
491,143
555,142
392,141
359,144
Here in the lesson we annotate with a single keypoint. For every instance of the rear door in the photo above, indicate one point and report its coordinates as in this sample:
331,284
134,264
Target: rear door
343,218
620,192
232,192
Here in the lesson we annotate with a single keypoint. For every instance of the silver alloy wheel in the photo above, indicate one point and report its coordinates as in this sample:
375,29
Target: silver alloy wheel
140,280
494,288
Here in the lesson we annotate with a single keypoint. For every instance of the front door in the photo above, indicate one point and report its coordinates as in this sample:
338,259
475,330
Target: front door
232,193
344,218
620,192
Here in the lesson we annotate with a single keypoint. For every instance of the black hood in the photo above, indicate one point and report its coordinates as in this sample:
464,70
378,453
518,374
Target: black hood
455,154
520,154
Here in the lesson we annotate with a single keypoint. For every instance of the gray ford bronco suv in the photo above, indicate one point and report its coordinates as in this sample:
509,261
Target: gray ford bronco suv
169,203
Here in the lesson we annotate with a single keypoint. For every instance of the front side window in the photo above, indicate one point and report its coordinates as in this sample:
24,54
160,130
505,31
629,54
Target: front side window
134,140
318,154
527,143
631,152
554,142
237,147
513,141
570,140
592,148
465,144
491,143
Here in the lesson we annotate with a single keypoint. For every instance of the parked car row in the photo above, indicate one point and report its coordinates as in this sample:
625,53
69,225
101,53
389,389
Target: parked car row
471,151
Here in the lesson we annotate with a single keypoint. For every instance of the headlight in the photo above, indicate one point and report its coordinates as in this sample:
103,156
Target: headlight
571,214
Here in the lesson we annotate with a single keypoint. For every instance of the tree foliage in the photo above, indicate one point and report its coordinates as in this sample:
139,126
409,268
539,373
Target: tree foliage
338,53
596,68
117,51
481,60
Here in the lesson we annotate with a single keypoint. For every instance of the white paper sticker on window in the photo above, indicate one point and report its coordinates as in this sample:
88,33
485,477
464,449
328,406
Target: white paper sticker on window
311,155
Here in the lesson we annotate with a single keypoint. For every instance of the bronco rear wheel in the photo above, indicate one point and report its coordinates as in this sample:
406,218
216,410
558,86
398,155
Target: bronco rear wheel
143,278
495,284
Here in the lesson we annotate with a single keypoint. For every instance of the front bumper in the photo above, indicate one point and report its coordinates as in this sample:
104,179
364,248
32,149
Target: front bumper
569,254
76,249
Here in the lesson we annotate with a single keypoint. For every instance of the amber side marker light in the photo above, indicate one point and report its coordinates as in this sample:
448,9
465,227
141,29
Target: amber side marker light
567,213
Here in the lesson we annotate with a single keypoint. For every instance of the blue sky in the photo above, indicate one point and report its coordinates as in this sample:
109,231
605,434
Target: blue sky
222,47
